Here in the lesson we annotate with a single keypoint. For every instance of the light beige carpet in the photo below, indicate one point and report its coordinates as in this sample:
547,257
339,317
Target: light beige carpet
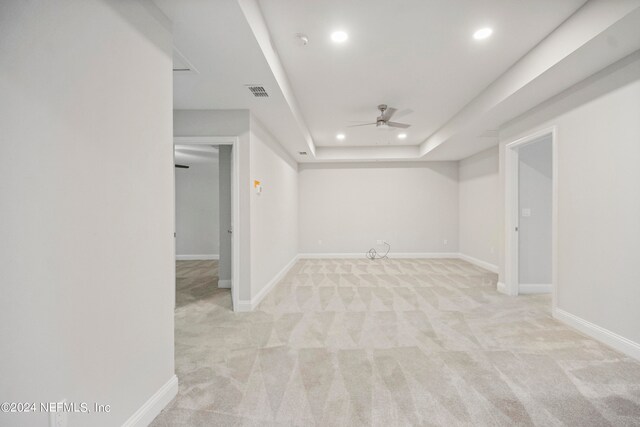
386,343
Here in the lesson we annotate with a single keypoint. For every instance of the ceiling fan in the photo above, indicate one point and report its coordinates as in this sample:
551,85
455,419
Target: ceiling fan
382,121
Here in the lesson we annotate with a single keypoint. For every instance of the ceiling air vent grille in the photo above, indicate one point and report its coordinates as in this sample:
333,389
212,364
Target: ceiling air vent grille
258,91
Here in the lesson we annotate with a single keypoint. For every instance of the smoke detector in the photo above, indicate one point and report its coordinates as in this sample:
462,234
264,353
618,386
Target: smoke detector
302,39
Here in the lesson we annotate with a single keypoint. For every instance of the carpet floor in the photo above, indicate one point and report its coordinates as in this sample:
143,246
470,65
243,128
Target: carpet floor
389,343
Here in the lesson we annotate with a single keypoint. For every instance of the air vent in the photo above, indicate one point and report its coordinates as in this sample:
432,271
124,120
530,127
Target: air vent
302,153
258,91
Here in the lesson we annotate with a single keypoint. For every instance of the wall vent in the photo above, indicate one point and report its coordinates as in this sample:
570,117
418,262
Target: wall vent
302,153
258,91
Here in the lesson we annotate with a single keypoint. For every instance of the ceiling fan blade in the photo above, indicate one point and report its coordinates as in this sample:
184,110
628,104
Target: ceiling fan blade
182,166
403,113
390,111
364,124
398,125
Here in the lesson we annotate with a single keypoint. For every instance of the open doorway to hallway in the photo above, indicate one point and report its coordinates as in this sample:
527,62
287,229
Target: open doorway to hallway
535,186
531,218
203,223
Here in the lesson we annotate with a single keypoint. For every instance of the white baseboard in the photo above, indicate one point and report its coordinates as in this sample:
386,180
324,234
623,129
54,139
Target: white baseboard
482,264
196,257
244,305
363,255
534,288
331,255
618,342
424,255
226,284
152,407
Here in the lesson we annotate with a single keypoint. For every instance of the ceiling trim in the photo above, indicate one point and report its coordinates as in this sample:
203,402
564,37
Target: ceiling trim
367,153
215,140
583,26
255,19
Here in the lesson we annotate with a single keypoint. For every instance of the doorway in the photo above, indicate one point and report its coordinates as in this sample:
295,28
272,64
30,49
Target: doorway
531,214
206,186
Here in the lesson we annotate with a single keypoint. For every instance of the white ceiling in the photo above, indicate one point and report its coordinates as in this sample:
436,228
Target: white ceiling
414,54
214,37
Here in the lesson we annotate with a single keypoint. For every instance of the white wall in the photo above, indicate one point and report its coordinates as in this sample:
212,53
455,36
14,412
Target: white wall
535,179
598,195
346,207
478,189
274,212
197,206
86,182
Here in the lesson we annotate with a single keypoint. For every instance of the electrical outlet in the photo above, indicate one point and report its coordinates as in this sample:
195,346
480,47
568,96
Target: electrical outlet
59,418
493,250
320,242
445,241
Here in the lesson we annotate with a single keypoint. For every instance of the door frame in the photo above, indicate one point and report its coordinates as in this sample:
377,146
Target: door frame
235,200
512,210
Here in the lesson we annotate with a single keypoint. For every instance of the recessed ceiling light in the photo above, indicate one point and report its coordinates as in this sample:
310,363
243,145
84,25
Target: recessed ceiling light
339,36
340,136
402,135
482,33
